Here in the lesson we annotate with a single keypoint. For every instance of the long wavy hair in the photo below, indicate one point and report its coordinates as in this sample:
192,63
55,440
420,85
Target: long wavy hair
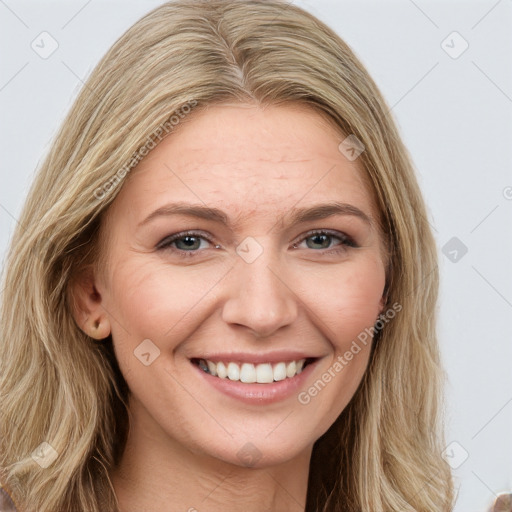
61,387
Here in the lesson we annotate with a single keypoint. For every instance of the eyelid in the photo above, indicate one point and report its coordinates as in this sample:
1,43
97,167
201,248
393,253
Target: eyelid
165,243
345,239
168,240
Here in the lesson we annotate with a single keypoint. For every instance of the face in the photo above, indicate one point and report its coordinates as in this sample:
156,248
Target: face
244,259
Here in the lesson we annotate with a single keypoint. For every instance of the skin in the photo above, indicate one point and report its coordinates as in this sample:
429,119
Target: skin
255,164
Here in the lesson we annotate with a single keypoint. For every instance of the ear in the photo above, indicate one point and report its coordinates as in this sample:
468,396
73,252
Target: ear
86,305
384,300
382,303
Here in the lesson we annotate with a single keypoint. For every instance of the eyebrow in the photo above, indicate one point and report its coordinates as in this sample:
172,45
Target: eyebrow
296,215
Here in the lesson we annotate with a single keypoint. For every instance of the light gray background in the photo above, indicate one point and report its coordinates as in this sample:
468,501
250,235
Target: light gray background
455,115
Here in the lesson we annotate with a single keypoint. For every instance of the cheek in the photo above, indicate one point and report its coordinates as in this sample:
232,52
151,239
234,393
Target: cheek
346,308
159,302
148,299
346,299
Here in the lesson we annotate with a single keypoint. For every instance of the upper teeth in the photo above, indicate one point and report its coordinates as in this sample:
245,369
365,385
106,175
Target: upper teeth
248,373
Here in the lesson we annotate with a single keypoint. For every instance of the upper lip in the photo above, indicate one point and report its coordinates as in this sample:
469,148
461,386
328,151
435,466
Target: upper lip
256,358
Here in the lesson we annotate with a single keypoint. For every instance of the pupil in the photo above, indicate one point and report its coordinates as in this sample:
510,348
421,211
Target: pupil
322,240
188,241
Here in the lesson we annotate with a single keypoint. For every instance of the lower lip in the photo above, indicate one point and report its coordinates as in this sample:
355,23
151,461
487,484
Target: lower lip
259,394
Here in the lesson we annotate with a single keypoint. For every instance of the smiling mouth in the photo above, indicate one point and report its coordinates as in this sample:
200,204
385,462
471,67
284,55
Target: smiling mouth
248,373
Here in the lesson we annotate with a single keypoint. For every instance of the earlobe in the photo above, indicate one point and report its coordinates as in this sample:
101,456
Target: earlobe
98,329
87,305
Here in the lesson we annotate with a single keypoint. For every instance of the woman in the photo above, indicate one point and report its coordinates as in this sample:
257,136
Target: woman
222,294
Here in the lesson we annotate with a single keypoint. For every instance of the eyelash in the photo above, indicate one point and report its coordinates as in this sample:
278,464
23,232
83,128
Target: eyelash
345,242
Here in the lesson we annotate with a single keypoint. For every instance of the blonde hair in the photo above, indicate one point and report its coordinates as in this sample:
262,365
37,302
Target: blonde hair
59,386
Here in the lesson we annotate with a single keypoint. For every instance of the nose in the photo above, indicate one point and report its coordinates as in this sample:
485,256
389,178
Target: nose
259,299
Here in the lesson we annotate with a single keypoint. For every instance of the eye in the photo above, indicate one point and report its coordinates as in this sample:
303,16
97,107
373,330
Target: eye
326,240
186,242
190,243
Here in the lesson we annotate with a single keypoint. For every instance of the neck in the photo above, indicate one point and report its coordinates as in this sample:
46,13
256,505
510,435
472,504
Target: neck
158,473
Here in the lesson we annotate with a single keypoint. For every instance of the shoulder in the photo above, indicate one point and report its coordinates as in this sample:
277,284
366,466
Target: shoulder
6,504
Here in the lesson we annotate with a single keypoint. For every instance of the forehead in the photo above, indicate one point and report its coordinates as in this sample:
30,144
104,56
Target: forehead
251,159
